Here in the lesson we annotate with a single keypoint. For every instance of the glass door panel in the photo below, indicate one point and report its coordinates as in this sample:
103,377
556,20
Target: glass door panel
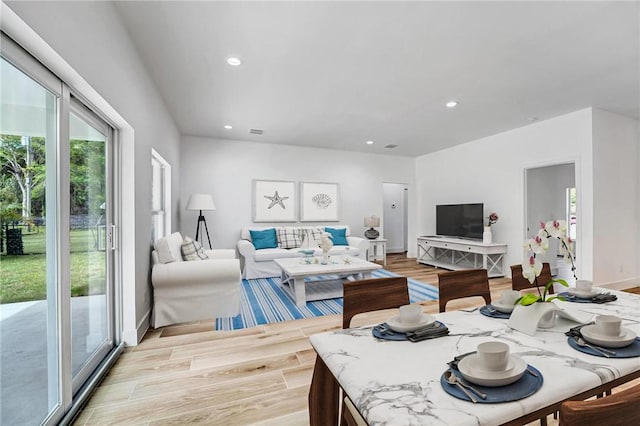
29,318
91,314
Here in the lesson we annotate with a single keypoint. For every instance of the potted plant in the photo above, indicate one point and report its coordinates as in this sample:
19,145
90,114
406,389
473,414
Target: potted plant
532,266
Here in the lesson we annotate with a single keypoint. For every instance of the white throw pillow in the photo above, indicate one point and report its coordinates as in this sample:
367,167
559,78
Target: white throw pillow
168,248
289,237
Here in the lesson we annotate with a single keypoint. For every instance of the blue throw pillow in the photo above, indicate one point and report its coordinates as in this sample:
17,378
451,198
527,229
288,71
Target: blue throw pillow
264,239
338,236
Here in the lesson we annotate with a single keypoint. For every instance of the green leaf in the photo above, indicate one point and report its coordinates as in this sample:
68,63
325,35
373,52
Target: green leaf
528,299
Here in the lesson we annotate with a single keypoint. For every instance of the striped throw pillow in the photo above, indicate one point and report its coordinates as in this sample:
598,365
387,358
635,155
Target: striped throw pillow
192,250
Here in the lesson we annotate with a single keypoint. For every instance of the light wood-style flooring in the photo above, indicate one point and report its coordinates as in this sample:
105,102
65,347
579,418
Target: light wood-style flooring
191,374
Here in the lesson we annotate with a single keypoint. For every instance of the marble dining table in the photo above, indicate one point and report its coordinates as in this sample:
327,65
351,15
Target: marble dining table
398,382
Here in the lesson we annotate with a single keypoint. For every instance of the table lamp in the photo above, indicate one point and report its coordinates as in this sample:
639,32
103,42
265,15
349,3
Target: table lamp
201,202
371,222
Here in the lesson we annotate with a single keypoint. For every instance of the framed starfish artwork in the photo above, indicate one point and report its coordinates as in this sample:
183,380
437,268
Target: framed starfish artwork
319,202
274,201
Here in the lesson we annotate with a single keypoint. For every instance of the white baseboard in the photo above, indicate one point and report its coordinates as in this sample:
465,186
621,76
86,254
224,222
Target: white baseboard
133,337
621,285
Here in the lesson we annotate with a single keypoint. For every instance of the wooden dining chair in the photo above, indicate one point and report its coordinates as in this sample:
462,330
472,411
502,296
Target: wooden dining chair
620,409
350,415
465,283
519,282
373,295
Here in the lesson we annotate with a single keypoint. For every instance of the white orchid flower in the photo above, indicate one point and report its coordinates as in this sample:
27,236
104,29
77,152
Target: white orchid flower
531,269
538,244
556,228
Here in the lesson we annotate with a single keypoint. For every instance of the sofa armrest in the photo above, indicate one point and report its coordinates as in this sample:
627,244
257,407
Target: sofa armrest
246,249
195,272
221,254
361,243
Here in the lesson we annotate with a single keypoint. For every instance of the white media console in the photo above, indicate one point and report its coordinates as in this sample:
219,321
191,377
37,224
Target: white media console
460,253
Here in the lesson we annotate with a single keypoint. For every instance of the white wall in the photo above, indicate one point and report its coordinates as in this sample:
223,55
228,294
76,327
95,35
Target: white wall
491,170
616,217
226,169
89,38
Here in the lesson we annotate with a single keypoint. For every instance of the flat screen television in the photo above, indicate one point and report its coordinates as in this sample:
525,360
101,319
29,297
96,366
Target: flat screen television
460,220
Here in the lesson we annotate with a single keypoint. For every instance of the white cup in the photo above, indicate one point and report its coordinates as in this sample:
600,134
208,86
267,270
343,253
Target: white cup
608,325
584,286
410,314
509,297
493,356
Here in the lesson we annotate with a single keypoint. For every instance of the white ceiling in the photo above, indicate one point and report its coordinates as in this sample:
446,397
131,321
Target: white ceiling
335,74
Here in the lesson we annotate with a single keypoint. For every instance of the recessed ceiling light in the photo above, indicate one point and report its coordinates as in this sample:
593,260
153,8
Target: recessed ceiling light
234,61
228,126
452,104
369,142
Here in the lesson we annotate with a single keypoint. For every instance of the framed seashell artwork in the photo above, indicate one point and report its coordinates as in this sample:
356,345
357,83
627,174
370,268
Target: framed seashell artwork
319,202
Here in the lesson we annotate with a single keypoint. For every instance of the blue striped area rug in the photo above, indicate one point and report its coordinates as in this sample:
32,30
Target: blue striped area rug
264,301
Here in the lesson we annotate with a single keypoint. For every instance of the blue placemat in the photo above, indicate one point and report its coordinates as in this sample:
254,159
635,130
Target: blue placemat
631,351
493,314
575,299
526,386
383,331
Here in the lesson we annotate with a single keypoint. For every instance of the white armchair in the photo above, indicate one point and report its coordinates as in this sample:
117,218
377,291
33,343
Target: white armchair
196,290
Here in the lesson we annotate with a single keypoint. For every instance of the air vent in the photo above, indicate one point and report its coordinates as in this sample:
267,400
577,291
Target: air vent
391,146
256,131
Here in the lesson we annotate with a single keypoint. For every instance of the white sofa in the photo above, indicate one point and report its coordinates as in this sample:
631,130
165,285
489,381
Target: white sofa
194,290
259,263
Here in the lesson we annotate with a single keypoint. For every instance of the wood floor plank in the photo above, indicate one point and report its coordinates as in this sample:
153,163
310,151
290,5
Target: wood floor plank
243,412
186,400
246,354
298,376
127,372
199,378
250,341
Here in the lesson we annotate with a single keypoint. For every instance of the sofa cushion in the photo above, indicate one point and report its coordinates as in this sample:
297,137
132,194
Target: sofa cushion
192,250
264,239
338,236
168,248
289,237
275,253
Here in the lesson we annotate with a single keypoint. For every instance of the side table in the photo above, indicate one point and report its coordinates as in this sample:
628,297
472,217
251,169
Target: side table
377,250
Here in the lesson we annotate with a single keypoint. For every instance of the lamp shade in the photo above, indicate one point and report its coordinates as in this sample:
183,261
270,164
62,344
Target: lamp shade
200,202
372,222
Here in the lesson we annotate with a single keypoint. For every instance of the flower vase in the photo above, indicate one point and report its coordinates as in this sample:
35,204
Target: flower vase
487,238
548,320
528,319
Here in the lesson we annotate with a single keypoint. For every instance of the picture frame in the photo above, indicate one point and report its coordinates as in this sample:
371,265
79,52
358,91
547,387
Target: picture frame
319,202
274,201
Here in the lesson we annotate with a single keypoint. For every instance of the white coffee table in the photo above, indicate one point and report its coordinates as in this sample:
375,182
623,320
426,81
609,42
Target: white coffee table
327,279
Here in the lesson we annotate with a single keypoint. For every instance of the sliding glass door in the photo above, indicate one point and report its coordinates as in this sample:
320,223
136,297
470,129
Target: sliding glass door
29,292
90,242
57,304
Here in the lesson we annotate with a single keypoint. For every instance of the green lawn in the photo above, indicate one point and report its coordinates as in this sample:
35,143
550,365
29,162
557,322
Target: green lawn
23,278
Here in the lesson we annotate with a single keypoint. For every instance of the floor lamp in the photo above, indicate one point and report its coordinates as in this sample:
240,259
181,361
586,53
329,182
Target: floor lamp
201,202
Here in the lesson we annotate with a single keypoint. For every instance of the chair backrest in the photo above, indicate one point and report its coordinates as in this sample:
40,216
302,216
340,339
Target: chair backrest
620,409
518,282
373,295
465,283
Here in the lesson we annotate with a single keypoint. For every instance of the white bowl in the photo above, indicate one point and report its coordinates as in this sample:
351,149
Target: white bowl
395,324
